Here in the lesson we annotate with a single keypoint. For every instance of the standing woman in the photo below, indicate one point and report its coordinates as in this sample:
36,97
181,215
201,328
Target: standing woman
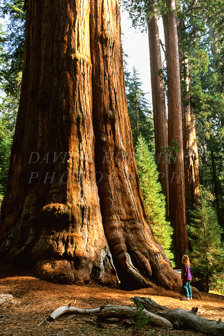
186,277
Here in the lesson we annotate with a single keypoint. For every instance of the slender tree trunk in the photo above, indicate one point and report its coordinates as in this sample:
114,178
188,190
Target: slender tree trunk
137,119
191,160
158,99
216,188
194,159
78,212
177,212
222,121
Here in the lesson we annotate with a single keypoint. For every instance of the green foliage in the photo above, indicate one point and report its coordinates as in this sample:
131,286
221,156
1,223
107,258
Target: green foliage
172,151
5,150
11,57
13,45
154,199
201,45
217,283
137,11
141,320
138,110
208,101
141,11
205,237
8,110
199,62
204,43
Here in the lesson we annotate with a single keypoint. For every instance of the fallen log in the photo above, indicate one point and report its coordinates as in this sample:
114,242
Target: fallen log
72,310
183,319
134,313
109,311
153,314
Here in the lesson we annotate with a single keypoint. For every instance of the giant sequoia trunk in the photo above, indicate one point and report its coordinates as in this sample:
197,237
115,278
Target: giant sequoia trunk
51,208
158,99
73,202
177,213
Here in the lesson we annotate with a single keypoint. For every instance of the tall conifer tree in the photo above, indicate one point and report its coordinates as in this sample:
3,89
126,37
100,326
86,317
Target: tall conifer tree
153,197
177,196
138,108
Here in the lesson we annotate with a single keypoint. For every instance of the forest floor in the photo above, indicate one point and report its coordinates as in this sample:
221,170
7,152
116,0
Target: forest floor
32,300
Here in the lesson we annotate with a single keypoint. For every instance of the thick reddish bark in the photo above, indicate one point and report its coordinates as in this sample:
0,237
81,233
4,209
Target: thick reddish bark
127,230
177,213
57,213
191,159
158,99
72,94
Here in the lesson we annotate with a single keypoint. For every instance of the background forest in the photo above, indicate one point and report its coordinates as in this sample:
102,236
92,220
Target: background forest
200,31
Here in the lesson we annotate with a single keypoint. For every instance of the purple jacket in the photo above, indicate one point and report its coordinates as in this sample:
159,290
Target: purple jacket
186,273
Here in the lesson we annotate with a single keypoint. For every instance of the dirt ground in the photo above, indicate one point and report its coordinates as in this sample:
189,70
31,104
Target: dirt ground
32,300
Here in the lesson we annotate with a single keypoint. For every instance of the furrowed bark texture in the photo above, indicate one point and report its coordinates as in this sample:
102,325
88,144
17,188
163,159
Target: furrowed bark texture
191,159
191,156
159,107
177,213
57,213
70,208
127,230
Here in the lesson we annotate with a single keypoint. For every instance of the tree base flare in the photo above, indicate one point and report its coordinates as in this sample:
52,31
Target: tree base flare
64,271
